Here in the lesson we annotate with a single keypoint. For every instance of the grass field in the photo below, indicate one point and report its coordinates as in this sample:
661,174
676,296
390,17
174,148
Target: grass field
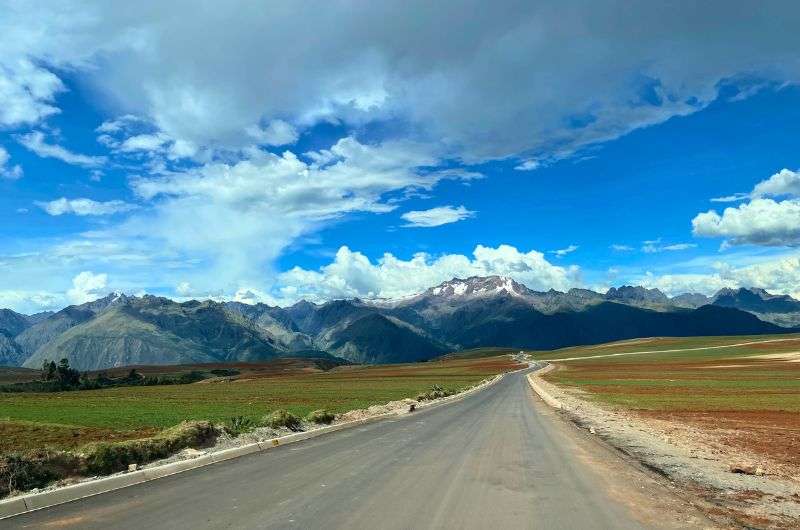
70,419
751,390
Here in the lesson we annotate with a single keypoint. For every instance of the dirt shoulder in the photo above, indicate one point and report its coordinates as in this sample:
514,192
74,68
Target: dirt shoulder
696,454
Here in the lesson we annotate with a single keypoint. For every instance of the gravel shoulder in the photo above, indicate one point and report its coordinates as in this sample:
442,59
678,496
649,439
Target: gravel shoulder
765,495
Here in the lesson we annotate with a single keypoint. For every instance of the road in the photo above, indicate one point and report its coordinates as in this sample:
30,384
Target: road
497,459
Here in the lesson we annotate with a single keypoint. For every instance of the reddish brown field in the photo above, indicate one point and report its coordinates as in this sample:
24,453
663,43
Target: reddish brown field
744,398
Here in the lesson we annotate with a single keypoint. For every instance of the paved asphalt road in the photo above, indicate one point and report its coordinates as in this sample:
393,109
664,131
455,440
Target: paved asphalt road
498,459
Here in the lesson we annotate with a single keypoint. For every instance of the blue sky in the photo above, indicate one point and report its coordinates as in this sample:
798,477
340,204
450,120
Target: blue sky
362,163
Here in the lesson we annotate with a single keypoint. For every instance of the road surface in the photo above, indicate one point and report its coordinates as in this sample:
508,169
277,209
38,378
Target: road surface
497,459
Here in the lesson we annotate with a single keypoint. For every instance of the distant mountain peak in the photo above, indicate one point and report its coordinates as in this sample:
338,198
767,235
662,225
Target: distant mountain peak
479,286
630,293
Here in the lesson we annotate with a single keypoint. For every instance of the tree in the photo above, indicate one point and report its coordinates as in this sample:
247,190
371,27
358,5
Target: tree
67,376
48,371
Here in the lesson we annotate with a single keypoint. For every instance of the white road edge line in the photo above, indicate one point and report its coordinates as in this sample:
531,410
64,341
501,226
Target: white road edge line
36,501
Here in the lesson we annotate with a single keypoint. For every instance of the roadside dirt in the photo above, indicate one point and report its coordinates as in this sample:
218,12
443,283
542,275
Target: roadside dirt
696,452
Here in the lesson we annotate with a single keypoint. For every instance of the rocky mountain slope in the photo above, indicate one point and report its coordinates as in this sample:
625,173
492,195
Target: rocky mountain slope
120,330
778,309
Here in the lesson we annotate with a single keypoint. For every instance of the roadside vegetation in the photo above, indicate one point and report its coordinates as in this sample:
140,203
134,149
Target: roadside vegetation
62,378
47,436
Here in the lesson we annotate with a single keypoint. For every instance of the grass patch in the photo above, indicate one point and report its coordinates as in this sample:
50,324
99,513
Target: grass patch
37,469
127,410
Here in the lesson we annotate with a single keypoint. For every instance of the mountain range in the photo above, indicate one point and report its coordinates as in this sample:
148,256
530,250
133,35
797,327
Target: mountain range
121,330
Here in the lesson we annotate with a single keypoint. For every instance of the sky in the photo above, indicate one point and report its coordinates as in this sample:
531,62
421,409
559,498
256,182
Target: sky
268,152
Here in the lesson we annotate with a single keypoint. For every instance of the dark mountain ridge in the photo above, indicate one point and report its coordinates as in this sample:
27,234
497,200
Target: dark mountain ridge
119,330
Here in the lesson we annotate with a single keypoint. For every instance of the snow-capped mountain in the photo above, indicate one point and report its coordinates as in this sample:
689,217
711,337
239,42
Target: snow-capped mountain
456,314
479,286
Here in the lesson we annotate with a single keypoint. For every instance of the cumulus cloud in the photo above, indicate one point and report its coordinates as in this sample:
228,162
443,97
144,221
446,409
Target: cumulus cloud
783,183
7,171
87,286
352,274
778,276
758,222
761,221
35,141
29,302
266,201
441,215
84,207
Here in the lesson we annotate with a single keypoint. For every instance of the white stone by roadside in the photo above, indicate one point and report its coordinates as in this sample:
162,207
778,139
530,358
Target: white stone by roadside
678,452
53,496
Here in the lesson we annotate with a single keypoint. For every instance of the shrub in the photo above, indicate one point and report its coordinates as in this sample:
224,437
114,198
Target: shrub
323,416
20,472
110,457
436,392
239,425
281,418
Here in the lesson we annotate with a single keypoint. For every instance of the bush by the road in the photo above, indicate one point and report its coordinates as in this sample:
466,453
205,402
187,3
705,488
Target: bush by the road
436,392
239,425
322,416
37,469
282,418
109,457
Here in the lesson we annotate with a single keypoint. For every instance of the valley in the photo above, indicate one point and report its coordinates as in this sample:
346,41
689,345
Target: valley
120,330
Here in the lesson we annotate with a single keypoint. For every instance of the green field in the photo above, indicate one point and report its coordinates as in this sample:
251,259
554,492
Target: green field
732,378
69,419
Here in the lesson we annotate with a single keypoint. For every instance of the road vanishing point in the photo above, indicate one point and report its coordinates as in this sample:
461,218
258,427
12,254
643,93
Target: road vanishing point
497,459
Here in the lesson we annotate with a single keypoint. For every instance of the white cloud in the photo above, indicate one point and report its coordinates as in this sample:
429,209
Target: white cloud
27,91
560,253
528,165
438,216
143,142
736,197
783,183
351,274
481,91
761,221
84,207
278,132
7,171
29,302
267,201
655,246
87,286
758,222
621,248
35,141
778,276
